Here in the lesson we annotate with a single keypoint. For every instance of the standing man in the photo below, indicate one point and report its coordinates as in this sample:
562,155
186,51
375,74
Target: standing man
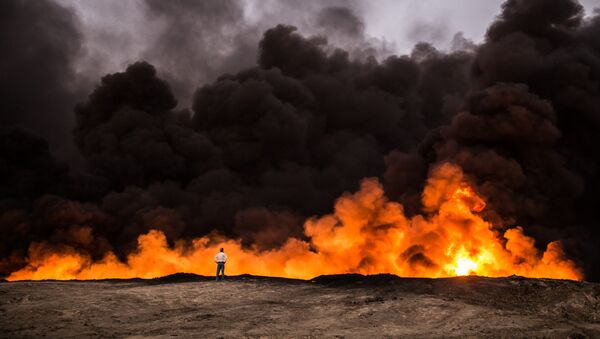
221,259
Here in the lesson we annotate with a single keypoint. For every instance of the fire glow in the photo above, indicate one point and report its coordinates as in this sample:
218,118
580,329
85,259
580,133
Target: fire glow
366,234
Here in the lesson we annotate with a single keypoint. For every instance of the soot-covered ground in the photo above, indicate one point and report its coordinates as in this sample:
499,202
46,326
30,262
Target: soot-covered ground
349,306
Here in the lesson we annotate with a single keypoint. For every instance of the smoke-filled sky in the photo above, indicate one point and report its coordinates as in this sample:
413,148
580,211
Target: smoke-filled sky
245,118
117,33
212,38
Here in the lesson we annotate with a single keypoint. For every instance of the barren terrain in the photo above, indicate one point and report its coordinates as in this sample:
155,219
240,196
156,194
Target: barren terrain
348,306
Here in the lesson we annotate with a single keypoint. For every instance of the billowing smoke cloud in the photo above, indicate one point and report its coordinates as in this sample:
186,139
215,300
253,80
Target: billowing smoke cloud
216,37
273,136
192,43
540,129
220,38
277,139
38,85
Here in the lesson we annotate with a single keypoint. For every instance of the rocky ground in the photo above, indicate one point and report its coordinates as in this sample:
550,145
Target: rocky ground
350,306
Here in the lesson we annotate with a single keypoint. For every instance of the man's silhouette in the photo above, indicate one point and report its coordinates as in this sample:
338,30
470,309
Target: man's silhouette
221,259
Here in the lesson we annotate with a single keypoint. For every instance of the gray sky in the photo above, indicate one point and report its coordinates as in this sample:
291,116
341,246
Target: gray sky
118,32
405,22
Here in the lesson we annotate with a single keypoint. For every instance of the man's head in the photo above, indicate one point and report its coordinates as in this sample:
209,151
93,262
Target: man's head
222,249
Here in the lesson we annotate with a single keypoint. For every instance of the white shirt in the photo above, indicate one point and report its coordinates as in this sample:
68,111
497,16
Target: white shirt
220,257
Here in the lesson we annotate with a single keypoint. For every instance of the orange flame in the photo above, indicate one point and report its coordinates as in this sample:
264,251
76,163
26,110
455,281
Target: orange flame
366,234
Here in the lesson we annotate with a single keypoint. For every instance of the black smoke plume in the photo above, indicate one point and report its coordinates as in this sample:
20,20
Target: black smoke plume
263,148
38,87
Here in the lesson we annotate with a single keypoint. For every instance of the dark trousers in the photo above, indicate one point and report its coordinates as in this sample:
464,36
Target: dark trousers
220,268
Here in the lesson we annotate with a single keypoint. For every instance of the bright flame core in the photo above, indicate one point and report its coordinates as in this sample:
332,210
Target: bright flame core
366,234
464,266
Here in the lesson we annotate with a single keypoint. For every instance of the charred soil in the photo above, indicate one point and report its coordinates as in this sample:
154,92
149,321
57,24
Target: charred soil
187,305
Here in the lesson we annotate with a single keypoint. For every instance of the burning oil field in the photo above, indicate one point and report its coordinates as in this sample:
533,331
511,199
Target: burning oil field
424,155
